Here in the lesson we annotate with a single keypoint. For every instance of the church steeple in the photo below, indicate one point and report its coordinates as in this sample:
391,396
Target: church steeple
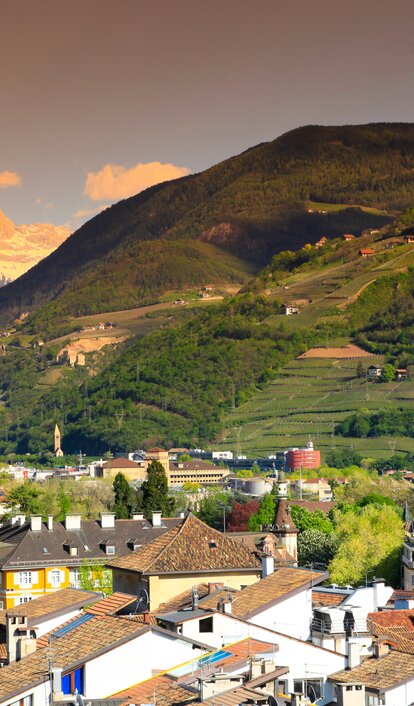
285,529
57,442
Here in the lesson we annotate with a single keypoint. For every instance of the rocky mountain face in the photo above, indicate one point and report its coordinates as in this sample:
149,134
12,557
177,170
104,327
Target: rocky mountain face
23,246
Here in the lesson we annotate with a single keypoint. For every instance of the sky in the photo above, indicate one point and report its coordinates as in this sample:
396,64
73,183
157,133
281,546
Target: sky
101,98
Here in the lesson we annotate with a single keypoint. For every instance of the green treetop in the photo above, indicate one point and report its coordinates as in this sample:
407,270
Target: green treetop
155,491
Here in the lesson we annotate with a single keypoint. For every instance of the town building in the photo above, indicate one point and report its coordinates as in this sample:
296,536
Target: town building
348,236
366,252
289,309
57,442
188,554
306,458
38,558
374,372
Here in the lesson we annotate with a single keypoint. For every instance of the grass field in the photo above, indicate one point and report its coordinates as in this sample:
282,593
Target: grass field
332,207
306,401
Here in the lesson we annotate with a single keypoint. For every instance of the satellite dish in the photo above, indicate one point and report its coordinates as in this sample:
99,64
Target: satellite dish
143,598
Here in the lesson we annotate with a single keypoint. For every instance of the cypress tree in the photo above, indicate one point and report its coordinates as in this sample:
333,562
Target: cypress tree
155,491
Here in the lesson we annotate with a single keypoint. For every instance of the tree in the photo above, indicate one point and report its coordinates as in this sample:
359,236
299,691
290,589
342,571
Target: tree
343,458
124,504
95,577
316,547
369,541
212,508
360,370
237,520
305,520
388,373
265,515
155,491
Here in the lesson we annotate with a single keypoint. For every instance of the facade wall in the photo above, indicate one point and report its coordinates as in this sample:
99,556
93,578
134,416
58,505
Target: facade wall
305,660
133,662
15,587
291,616
163,588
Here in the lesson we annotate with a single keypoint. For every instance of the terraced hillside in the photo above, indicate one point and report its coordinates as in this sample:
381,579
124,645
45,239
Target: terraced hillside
309,397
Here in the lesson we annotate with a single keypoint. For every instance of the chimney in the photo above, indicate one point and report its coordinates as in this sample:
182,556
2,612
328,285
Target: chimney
214,586
381,648
227,606
18,638
146,618
138,516
194,598
36,523
354,655
156,518
107,520
268,565
73,522
50,523
57,694
380,597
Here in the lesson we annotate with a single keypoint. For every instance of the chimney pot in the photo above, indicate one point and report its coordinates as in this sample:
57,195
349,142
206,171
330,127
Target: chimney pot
36,523
156,518
73,522
107,520
268,565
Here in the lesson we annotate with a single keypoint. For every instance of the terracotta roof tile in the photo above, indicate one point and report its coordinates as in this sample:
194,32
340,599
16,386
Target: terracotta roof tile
379,674
268,591
57,602
402,639
77,646
161,690
392,618
328,598
193,546
234,697
112,604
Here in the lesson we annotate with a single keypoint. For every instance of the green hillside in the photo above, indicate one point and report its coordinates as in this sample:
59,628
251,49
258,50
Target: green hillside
251,206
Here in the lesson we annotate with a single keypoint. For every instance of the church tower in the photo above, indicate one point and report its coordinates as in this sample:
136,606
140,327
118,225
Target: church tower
285,529
57,442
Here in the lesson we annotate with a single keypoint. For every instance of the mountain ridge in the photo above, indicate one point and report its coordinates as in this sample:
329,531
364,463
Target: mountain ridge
250,205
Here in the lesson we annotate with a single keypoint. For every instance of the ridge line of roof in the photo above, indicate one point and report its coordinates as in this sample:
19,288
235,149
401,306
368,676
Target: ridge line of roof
168,544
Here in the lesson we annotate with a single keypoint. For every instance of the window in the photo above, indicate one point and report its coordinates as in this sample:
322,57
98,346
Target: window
26,701
73,551
206,624
110,549
25,578
74,578
73,680
312,688
372,699
54,577
22,599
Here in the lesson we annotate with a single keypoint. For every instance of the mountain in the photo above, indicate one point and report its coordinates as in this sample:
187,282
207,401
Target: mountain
310,182
23,246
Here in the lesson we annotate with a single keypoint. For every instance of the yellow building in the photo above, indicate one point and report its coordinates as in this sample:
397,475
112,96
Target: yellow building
188,554
38,558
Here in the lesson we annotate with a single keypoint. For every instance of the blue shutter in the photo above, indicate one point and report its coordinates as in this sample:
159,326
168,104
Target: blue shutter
79,680
66,684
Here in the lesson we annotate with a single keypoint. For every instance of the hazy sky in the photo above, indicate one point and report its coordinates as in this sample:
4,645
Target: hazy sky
99,98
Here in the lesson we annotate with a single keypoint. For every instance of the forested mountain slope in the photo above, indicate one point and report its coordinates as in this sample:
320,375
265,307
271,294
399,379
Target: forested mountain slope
251,206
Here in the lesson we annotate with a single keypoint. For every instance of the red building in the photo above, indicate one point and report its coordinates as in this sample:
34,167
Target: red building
295,459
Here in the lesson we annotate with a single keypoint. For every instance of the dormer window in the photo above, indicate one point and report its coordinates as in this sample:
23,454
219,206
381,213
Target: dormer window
73,551
110,549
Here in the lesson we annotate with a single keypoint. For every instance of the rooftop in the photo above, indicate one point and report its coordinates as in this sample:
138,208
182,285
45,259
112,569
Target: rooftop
162,690
379,674
190,547
54,604
22,548
266,592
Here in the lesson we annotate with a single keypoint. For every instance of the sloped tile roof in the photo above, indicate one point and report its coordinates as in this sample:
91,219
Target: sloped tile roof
95,636
54,603
266,592
392,618
327,598
112,604
283,518
191,547
161,690
379,674
234,697
401,639
22,548
184,599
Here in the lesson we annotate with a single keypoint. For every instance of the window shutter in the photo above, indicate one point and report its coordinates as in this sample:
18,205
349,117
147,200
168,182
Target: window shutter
16,578
35,577
62,576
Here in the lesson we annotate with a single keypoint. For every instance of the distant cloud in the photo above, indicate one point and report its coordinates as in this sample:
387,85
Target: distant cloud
8,179
88,212
48,206
115,182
